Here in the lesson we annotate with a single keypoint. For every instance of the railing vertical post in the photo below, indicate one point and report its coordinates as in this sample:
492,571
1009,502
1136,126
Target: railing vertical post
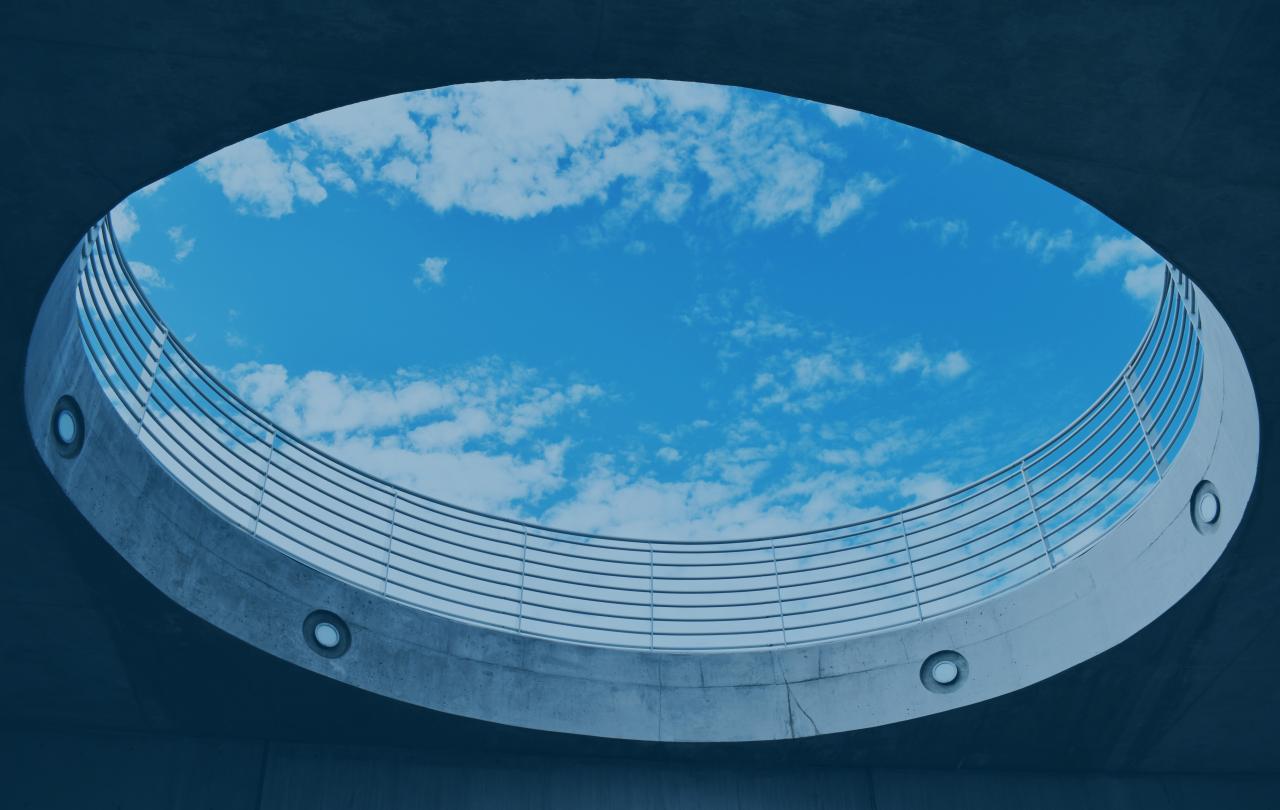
150,367
524,556
266,476
391,539
652,588
1185,292
911,566
1142,422
1035,513
777,588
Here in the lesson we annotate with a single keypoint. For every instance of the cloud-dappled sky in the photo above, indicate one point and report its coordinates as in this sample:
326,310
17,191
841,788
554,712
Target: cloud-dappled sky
642,307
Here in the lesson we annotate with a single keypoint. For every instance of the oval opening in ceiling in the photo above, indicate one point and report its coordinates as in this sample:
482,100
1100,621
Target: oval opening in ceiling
642,308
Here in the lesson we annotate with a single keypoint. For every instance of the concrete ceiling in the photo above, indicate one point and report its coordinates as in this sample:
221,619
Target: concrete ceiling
1163,115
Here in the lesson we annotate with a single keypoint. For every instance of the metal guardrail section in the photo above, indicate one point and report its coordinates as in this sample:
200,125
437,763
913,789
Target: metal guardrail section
1017,523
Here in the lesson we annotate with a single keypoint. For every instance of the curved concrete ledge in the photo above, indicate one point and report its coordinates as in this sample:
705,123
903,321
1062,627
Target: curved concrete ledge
263,597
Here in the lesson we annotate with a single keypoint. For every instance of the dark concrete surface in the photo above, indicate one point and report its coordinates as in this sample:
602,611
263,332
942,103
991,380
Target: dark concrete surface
134,773
1162,114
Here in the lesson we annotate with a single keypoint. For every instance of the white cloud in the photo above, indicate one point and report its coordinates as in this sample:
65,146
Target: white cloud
843,116
335,175
124,221
737,325
958,152
431,271
490,436
849,201
1116,252
789,187
763,326
953,364
521,149
846,457
365,130
796,381
1145,282
1039,242
925,487
613,502
949,366
908,360
945,231
147,275
876,450
492,481
472,436
235,340
260,181
182,244
148,190
1142,268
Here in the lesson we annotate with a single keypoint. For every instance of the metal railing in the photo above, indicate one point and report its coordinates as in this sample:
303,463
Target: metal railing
994,534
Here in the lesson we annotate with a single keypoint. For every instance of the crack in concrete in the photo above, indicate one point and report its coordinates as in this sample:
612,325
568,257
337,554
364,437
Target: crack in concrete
792,699
780,673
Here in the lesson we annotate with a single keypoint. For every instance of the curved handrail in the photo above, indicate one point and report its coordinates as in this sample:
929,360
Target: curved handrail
1015,523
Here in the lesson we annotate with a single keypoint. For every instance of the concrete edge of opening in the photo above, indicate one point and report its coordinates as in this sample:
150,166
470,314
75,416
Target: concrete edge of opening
263,597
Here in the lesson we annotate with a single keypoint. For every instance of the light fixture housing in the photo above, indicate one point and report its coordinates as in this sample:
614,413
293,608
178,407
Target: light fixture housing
66,427
326,634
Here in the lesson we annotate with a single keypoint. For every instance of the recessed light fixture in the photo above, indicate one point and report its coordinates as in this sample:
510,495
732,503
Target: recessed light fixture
1206,507
326,634
944,671
67,427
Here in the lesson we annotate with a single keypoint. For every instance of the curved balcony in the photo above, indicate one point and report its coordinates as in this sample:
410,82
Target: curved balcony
1015,524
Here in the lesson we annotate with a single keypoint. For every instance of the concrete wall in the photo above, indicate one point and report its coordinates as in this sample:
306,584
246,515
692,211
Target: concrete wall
43,770
1163,115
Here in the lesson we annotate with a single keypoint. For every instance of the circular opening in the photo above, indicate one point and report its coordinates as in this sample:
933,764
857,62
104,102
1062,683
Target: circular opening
326,635
65,426
946,672
682,213
758,418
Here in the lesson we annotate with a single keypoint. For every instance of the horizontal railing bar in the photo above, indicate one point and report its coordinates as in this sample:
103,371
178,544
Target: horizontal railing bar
1091,524
605,589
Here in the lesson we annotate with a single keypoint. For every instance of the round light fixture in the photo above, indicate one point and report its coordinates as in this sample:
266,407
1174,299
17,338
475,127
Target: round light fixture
326,633
1207,507
66,427
945,672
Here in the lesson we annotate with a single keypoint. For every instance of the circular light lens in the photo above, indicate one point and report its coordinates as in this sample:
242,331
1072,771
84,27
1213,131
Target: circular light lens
946,672
1207,507
327,635
66,426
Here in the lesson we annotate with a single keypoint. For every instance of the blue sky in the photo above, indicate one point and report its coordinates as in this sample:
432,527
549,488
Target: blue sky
647,308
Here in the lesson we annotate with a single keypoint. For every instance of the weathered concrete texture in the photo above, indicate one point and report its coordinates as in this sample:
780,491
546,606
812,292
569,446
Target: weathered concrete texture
144,772
1163,115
